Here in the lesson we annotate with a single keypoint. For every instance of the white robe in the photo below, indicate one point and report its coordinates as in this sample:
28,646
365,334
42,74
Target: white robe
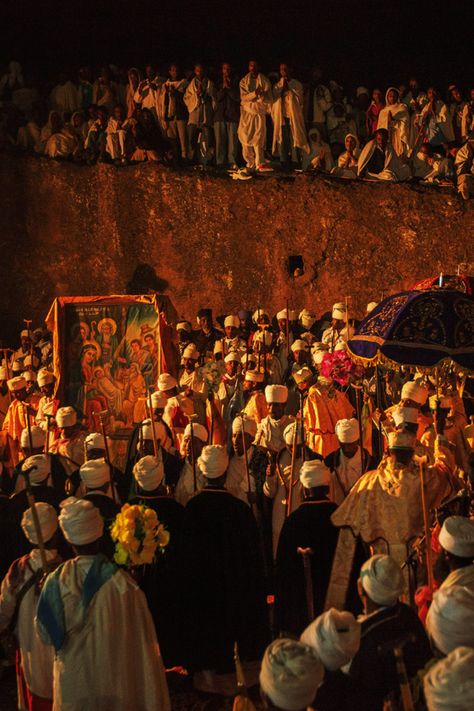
294,105
398,126
110,659
236,479
347,473
270,432
200,105
274,489
441,121
317,151
252,129
394,169
185,486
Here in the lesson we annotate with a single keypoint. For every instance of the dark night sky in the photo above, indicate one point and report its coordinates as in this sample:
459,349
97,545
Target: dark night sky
355,41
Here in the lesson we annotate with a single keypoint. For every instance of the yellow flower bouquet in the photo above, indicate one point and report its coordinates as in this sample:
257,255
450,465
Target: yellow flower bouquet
138,535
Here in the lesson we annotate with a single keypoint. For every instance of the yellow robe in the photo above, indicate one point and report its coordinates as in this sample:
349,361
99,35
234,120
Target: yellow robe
322,410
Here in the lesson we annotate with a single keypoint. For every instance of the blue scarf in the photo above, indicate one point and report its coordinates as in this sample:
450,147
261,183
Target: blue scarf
50,612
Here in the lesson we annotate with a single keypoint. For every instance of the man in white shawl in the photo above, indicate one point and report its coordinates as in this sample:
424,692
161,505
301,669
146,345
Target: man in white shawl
347,161
146,93
467,121
436,120
255,100
379,161
199,97
287,114
92,612
395,118
172,112
464,166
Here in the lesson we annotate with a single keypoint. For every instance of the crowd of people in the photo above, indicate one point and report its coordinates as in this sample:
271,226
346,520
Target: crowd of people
208,117
308,500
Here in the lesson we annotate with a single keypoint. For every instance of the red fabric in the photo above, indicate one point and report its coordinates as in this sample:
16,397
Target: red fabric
33,702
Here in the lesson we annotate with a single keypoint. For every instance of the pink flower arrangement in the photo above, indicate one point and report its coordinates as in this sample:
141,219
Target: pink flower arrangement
341,368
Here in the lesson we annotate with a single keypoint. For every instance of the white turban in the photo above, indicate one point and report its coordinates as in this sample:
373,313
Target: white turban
347,431
382,579
80,521
339,311
29,376
158,400
450,619
25,333
302,375
95,440
401,440
95,473
42,468
449,684
166,382
276,393
199,431
371,306
457,536
335,636
307,318
48,522
415,392
314,473
405,414
149,472
45,377
263,337
232,357
66,416
191,352
231,321
289,434
38,437
290,674
213,461
282,315
250,426
17,383
299,345
257,315
253,376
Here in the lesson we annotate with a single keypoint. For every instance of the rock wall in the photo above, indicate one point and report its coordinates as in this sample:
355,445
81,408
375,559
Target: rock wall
72,230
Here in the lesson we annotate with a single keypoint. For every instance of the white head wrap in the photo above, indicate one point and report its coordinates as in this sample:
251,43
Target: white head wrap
166,382
95,440
335,636
290,674
401,440
307,318
299,345
149,472
95,473
232,357
314,473
42,464
66,416
250,426
347,431
232,321
382,579
147,431
45,377
80,521
276,393
38,437
199,431
158,400
339,311
48,521
450,619
24,333
30,376
191,352
289,434
405,414
258,315
213,461
282,315
371,306
17,383
457,536
415,392
254,376
449,684
302,375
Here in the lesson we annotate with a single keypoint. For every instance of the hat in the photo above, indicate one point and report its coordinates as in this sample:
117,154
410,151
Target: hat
3,373
401,440
335,636
402,415
24,333
41,464
184,326
290,674
231,321
199,431
307,318
38,437
302,375
339,311
66,417
257,315
449,684
166,382
314,473
457,536
282,315
29,376
45,377
95,473
276,394
317,354
253,376
48,522
149,472
264,337
382,579
289,434
415,392
347,431
450,619
213,461
445,402
191,352
299,345
17,366
30,361
370,306
250,426
248,358
15,384
158,400
94,440
232,357
80,521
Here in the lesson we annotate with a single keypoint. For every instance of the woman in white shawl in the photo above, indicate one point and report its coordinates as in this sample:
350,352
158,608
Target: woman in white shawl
348,161
287,114
69,141
53,125
395,118
320,156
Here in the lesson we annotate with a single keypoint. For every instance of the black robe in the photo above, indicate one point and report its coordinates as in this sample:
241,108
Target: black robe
160,581
373,670
223,596
308,527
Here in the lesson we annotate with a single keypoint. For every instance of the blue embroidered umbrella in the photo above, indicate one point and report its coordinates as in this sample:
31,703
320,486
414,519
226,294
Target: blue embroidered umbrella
419,328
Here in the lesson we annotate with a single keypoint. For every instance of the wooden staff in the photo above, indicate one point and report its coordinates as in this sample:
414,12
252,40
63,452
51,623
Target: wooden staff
306,554
48,427
159,364
28,425
152,421
244,446
287,330
32,504
347,317
303,453
426,525
192,418
101,416
292,469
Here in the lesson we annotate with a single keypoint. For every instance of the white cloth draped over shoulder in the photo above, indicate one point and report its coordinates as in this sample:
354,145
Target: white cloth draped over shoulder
396,119
252,129
293,98
394,169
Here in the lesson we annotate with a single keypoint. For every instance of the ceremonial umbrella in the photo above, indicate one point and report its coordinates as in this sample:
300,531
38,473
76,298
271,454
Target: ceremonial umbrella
420,328
460,282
